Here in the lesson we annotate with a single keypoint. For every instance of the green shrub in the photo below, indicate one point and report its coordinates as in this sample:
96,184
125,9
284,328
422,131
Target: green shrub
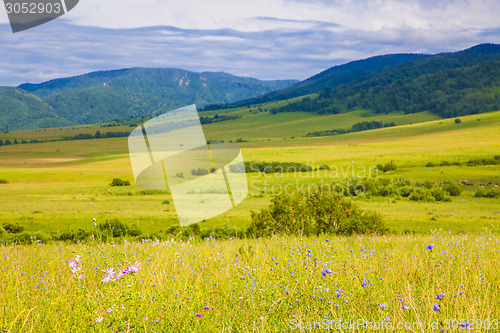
388,190
298,214
184,233
439,194
119,182
458,120
223,232
32,237
492,193
13,228
4,181
388,167
422,194
405,191
453,188
116,228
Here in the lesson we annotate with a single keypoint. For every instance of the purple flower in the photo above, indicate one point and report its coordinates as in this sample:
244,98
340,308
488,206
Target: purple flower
429,247
383,306
198,315
464,324
436,307
98,319
326,271
206,308
405,308
439,296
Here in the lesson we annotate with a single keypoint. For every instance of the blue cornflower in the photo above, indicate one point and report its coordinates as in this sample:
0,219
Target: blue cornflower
439,296
405,307
429,247
436,307
383,306
326,271
464,324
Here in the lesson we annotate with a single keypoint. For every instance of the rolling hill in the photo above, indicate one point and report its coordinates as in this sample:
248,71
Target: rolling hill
331,77
120,94
448,85
20,109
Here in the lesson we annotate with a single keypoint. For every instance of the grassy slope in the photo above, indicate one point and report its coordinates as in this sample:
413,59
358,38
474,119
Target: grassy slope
51,183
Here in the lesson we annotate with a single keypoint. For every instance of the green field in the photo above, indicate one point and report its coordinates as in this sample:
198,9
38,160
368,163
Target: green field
51,183
276,284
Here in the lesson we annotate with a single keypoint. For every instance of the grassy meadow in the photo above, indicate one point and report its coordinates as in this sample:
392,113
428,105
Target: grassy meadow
255,285
278,284
51,183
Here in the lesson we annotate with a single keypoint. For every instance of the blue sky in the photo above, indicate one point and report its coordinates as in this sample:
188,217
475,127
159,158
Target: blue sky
266,39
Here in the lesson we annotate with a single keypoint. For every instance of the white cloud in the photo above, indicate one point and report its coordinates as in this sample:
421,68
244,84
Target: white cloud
268,39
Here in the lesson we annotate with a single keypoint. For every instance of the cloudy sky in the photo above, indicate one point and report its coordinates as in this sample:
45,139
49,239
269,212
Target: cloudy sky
266,39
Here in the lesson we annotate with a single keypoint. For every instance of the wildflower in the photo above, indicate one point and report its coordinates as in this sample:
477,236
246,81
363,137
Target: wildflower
436,307
439,296
198,315
98,319
135,267
109,310
464,324
405,308
383,306
429,247
326,271
206,308
123,306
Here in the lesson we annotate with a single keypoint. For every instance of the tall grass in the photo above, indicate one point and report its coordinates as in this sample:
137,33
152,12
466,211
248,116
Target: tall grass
249,285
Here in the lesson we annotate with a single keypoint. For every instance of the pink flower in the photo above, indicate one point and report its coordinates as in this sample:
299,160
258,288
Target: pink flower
198,315
98,319
109,310
106,279
136,267
206,308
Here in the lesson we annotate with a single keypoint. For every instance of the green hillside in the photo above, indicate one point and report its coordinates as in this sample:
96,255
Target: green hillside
121,94
448,85
20,109
331,77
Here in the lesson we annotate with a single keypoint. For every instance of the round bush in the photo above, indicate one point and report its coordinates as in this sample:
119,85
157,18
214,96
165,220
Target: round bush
453,188
298,214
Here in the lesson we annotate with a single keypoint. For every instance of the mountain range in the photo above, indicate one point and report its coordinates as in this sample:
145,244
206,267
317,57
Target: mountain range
120,94
446,84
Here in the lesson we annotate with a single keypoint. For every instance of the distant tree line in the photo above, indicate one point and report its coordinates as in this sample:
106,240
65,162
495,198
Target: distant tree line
97,135
217,118
358,127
